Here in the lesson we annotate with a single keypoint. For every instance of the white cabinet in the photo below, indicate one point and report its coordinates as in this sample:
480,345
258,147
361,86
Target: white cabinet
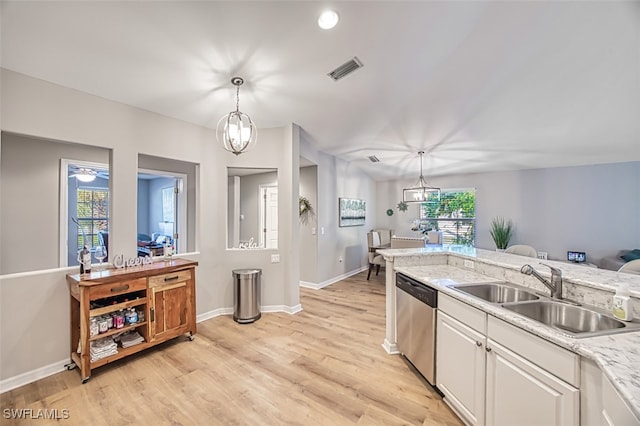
519,392
460,367
601,404
496,374
615,412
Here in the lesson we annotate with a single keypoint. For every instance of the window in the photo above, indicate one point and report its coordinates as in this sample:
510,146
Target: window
84,207
455,216
92,212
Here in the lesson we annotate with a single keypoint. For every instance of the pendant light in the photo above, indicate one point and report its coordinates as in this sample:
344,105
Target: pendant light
236,131
421,192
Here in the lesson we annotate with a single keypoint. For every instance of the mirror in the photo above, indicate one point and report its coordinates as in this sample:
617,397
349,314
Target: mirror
252,208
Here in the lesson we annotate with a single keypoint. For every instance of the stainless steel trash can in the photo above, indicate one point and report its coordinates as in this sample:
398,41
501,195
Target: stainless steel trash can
246,295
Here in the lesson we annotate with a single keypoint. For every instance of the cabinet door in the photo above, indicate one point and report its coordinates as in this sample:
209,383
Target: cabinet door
460,367
168,310
519,392
615,412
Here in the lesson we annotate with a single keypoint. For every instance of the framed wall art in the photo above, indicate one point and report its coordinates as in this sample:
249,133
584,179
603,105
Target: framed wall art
352,212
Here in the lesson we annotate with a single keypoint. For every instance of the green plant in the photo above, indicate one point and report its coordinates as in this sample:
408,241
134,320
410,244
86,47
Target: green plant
305,209
501,232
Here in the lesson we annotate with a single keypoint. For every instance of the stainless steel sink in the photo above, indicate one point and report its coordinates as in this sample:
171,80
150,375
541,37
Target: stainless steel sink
498,292
572,320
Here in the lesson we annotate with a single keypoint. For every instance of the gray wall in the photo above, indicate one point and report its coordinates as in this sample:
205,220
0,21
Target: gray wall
29,183
308,231
588,208
337,178
44,110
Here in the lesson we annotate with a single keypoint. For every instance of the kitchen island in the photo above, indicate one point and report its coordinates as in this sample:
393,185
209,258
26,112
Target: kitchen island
616,355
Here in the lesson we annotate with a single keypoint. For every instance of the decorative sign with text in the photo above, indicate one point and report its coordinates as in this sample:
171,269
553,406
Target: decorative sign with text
120,262
248,244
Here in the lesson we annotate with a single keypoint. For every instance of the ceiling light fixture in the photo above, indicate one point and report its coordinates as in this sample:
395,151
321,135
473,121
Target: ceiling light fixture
421,192
328,19
236,131
85,175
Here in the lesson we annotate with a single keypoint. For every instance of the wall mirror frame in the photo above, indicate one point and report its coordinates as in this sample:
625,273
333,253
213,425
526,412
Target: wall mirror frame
252,208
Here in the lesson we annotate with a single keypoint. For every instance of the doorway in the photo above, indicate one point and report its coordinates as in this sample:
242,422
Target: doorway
269,216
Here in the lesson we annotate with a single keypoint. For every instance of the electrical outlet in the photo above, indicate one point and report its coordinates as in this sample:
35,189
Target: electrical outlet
469,264
542,255
275,258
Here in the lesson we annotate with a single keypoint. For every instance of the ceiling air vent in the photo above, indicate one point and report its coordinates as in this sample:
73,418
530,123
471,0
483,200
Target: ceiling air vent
345,69
373,159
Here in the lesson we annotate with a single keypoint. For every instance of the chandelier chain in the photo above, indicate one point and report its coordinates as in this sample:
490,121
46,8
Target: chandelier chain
238,98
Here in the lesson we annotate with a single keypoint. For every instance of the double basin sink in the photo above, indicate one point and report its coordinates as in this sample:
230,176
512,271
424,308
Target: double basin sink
563,316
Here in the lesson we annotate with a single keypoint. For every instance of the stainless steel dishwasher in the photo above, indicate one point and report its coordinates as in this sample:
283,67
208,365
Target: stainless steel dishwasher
416,305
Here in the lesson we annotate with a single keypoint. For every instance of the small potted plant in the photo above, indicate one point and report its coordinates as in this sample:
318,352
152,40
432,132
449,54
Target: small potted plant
501,231
305,210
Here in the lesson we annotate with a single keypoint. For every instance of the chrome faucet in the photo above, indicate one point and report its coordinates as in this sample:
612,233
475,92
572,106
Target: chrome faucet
555,285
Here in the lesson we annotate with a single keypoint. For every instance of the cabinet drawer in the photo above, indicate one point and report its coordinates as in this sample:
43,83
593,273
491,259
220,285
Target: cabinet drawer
170,278
556,360
464,313
115,289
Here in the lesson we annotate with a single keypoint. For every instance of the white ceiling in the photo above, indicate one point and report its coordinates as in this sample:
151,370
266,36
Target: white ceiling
480,86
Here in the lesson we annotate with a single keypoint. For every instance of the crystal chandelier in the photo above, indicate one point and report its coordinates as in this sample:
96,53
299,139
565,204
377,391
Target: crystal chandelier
236,131
421,192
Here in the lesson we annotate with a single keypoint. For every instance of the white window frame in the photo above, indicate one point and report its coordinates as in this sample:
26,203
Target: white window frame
63,237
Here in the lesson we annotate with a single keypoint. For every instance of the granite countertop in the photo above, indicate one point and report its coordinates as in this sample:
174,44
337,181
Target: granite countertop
617,355
578,274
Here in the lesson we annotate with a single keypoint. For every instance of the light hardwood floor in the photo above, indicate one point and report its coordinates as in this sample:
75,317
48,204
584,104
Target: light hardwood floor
322,366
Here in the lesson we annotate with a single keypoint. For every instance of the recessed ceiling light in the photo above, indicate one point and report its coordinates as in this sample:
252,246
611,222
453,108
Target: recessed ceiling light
328,19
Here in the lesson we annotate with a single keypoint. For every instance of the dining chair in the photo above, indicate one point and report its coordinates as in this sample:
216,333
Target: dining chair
407,242
631,267
373,240
434,237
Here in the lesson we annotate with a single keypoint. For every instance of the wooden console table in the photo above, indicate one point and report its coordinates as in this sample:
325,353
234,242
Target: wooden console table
163,292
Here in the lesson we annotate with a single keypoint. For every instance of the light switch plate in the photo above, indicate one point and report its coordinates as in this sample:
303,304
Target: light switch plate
275,258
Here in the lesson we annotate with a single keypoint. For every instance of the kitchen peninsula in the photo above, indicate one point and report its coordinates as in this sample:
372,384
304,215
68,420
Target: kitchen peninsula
604,362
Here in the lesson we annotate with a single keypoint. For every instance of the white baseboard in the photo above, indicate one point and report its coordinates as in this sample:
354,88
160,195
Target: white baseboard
264,309
332,280
215,313
282,308
33,375
391,348
307,284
